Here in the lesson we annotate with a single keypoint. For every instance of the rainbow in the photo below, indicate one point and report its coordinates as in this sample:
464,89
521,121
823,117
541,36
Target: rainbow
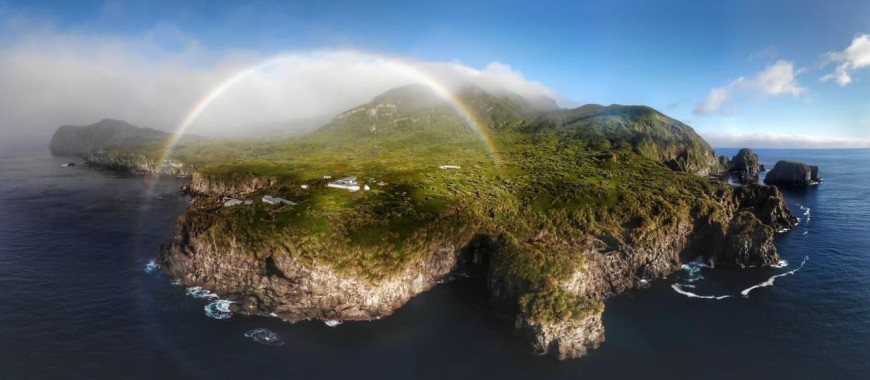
397,65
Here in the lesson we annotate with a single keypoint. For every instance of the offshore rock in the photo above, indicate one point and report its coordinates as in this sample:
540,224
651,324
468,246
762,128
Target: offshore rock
745,164
793,173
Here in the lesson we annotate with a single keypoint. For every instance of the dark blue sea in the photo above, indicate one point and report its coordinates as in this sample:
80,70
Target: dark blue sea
76,300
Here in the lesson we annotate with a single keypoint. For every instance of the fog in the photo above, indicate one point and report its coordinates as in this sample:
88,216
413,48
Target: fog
781,141
48,79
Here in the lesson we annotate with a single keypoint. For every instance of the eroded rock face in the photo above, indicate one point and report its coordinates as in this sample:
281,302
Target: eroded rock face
268,283
236,185
566,339
793,173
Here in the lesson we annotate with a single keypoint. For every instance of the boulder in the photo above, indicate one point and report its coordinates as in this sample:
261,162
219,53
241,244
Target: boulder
793,173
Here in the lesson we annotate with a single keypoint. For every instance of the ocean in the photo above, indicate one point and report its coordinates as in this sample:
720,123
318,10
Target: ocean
78,299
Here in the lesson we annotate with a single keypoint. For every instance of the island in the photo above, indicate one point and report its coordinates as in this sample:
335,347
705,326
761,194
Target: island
787,173
558,209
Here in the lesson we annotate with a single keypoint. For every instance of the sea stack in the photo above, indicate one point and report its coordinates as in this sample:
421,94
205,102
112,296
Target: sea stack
793,173
745,164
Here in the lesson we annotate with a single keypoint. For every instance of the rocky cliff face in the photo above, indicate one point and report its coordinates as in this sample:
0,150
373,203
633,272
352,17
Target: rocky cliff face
235,185
137,164
272,283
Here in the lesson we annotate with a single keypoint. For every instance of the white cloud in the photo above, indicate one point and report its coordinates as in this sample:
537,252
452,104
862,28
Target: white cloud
49,78
775,140
854,57
777,79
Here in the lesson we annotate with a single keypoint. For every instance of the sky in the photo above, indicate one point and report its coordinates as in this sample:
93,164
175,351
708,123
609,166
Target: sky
742,73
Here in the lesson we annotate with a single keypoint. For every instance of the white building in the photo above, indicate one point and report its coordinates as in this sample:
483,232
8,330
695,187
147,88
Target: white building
449,167
268,199
347,183
230,202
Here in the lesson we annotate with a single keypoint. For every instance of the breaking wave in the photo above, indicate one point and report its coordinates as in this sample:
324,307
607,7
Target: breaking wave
332,323
199,292
265,336
693,271
679,289
219,309
151,267
769,281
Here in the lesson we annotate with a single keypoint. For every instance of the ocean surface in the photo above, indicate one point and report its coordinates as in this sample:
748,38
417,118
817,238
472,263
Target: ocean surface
79,300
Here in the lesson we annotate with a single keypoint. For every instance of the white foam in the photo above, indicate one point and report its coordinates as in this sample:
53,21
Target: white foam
780,264
199,292
769,281
805,232
265,336
694,271
219,309
679,289
151,267
175,282
332,323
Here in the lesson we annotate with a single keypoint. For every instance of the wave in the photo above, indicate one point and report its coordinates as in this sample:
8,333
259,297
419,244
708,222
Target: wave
199,292
780,264
219,309
265,336
332,323
679,289
151,267
693,271
769,281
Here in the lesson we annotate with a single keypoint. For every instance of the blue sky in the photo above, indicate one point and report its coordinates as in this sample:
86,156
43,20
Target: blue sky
669,55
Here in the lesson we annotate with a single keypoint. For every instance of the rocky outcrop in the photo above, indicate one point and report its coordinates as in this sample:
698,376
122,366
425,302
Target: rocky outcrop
793,173
742,238
566,339
137,164
272,282
73,140
745,165
115,145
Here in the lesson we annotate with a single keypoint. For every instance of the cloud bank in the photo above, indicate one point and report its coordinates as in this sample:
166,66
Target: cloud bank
854,57
772,140
777,79
48,78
